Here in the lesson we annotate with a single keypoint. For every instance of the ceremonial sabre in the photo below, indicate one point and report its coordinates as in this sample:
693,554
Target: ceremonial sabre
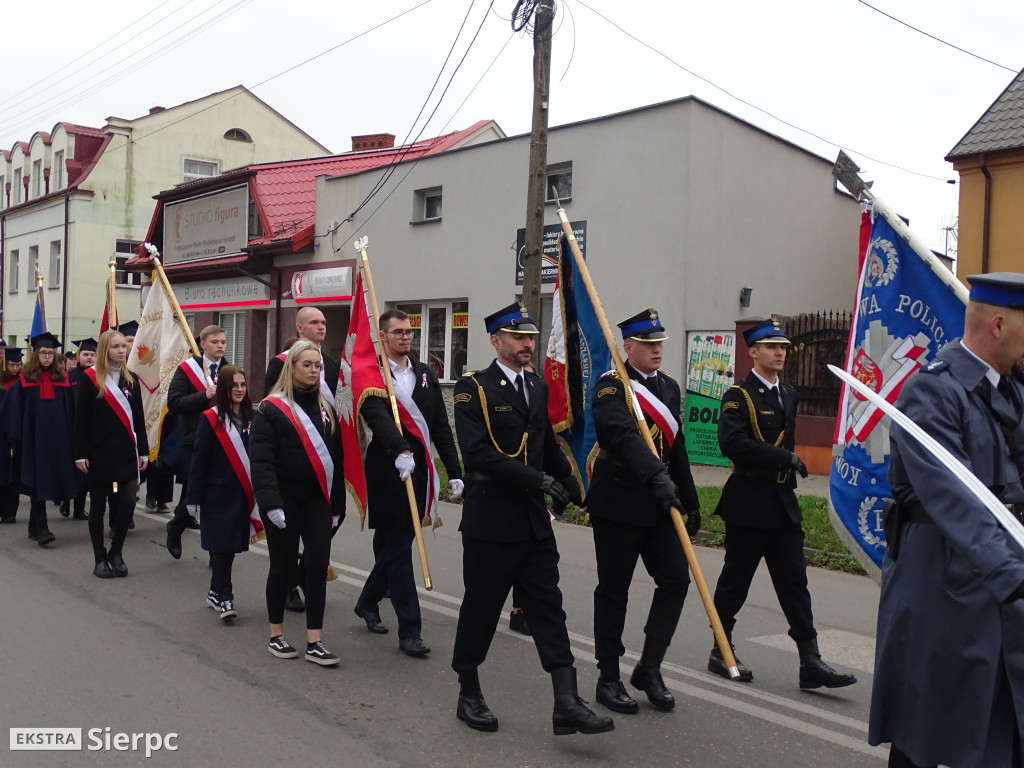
1002,515
645,432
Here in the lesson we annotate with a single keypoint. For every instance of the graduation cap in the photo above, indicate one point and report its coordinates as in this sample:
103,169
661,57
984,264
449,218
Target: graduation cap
45,341
86,345
13,354
131,328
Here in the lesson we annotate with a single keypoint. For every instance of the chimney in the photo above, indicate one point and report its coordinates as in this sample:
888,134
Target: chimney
154,110
373,141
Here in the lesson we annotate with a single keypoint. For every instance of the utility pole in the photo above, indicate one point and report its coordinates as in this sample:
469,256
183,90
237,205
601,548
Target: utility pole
535,191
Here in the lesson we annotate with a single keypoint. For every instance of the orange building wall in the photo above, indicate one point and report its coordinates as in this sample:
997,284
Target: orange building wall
1006,225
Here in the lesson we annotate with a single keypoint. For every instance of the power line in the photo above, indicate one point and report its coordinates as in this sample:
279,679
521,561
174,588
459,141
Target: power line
936,39
752,105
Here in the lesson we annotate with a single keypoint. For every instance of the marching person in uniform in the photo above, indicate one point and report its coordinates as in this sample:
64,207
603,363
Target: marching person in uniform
949,655
191,392
759,505
310,325
511,461
38,416
110,446
630,496
391,456
296,459
9,498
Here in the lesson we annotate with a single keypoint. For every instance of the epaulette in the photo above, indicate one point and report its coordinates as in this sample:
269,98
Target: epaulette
470,373
666,375
935,366
613,373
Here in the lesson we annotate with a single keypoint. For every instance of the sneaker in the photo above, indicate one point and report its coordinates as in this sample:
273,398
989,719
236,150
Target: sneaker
227,610
316,653
282,648
213,600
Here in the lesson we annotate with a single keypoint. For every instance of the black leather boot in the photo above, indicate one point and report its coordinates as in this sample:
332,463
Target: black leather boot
472,709
647,676
571,714
815,673
716,662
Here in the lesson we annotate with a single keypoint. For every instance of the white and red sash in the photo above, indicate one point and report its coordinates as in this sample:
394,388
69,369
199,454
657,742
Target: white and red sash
646,404
415,424
122,408
325,389
231,443
313,442
195,374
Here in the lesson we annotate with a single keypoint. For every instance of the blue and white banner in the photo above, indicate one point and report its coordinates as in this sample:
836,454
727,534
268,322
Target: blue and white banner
904,315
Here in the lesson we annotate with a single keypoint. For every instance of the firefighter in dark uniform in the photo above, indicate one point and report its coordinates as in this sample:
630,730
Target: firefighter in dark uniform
511,460
630,496
762,517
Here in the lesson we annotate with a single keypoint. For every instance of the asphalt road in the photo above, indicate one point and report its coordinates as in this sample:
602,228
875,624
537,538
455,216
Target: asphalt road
145,655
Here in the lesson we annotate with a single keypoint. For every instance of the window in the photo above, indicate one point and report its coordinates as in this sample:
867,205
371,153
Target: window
190,321
440,335
55,264
234,324
237,134
124,250
37,178
58,170
17,186
427,205
3,192
255,223
559,177
199,169
33,267
12,271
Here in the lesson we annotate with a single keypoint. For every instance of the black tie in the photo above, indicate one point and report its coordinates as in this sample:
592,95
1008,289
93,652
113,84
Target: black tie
773,396
653,386
213,372
520,389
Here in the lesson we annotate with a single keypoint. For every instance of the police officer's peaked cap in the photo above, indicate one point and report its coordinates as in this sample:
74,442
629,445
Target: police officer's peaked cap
1003,289
13,354
131,328
514,318
643,326
86,345
45,341
767,332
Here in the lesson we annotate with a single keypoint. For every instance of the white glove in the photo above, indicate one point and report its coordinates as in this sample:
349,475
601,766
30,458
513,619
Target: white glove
405,464
335,521
276,516
457,487
193,510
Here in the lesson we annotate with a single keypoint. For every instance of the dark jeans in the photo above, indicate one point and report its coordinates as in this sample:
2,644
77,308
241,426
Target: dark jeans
393,569
99,491
220,580
310,521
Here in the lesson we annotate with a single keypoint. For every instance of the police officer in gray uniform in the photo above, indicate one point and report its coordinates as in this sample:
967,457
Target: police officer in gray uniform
949,658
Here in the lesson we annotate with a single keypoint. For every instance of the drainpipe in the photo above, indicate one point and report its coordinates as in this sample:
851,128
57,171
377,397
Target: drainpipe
278,273
67,260
986,214
3,266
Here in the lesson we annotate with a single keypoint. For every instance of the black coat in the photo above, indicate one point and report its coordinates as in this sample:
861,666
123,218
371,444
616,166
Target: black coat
503,500
760,491
100,435
619,488
387,498
217,489
330,373
282,475
186,403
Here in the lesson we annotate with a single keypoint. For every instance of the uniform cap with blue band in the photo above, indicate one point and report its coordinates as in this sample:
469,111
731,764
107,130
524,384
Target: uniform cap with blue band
643,326
514,318
767,332
1001,289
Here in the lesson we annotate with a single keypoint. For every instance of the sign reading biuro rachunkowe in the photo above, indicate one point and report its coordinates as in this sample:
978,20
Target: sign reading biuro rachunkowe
710,370
206,227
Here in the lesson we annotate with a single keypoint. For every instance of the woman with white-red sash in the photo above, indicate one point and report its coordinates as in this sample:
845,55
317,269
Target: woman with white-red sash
110,446
298,479
220,491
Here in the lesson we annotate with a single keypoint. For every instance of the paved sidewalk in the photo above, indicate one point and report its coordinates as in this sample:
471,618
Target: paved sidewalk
703,474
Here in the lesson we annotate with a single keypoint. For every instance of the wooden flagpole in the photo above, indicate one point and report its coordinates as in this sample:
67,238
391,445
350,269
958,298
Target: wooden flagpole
154,256
111,296
677,518
360,246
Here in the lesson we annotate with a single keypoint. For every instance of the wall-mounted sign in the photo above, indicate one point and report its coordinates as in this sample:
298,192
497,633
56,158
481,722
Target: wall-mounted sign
549,249
234,292
712,363
322,284
207,227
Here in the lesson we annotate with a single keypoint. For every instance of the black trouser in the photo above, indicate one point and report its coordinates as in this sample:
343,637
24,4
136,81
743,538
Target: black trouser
783,552
159,485
180,521
9,500
489,570
220,580
617,547
80,499
310,521
98,493
393,568
37,517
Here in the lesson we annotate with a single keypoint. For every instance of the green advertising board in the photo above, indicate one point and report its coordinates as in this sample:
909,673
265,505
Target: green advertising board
710,371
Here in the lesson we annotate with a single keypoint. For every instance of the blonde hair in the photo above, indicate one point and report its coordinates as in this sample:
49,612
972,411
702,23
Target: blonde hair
286,383
102,362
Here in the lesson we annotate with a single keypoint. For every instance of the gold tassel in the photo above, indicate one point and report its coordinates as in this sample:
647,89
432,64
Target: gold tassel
331,573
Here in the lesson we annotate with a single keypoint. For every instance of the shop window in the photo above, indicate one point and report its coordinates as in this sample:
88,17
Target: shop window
124,250
233,324
440,335
559,177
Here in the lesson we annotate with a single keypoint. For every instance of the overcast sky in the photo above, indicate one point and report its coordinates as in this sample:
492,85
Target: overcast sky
834,68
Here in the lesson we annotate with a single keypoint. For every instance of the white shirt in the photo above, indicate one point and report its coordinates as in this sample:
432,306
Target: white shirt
404,380
512,378
776,386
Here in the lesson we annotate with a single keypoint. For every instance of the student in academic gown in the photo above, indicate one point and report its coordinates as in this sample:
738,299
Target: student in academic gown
9,498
